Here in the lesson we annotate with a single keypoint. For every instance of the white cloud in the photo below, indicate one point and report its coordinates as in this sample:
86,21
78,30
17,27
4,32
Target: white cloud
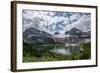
83,23
47,21
75,17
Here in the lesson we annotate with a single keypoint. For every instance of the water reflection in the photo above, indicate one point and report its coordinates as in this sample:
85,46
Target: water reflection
69,50
60,49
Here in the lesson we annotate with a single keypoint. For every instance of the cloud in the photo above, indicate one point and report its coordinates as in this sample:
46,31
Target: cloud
50,21
83,23
75,17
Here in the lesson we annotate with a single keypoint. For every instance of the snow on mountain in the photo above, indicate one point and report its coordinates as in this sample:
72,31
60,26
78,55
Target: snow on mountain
56,21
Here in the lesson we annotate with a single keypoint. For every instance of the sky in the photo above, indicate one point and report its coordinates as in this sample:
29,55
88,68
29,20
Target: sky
56,21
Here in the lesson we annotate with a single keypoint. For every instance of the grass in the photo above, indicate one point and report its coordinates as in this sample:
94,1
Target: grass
49,56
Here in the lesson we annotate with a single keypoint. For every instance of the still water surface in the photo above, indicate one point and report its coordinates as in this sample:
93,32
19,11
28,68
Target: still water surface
60,49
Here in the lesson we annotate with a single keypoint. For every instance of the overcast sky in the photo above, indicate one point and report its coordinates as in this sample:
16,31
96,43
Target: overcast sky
56,21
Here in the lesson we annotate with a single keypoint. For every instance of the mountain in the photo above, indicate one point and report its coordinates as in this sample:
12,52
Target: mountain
36,36
74,31
33,31
77,32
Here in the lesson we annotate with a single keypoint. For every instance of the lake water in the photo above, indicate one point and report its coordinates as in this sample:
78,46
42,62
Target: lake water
69,50
60,49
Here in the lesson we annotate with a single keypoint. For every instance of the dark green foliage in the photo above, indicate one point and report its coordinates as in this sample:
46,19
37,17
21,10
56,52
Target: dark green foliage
86,51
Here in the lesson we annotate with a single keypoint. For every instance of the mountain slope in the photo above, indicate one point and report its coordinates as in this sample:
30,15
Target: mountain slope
36,36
